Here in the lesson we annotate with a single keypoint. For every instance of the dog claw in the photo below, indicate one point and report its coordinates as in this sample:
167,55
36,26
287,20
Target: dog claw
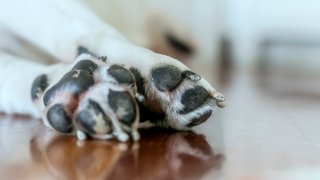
222,104
220,98
139,97
135,136
121,137
221,101
81,135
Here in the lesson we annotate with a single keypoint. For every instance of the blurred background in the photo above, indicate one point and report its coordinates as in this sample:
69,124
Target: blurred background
270,37
264,56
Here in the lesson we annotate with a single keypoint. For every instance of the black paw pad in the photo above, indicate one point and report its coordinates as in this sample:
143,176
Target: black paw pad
92,119
121,74
123,106
140,81
39,85
74,82
191,75
200,119
86,65
59,119
193,98
166,78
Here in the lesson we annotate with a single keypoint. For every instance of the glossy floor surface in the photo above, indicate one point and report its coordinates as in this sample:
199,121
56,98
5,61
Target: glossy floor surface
258,136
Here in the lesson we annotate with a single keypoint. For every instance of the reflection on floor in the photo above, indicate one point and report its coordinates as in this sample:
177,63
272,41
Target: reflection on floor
39,153
258,136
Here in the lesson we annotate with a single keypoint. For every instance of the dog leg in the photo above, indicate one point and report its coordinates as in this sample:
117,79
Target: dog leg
86,98
16,78
180,98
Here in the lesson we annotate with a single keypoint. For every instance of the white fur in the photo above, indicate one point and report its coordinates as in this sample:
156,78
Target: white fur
58,28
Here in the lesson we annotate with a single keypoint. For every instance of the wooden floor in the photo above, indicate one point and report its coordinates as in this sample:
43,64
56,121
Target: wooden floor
258,136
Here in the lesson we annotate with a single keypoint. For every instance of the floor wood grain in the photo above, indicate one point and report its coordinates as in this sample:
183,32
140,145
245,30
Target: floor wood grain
258,136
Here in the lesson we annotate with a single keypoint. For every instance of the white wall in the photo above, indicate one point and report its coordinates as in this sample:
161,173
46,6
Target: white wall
201,20
248,21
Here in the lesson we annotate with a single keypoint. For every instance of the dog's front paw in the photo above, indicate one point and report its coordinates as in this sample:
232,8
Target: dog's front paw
91,99
179,97
100,100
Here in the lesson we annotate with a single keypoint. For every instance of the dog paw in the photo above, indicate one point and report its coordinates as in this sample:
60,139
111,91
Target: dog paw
175,97
92,99
103,101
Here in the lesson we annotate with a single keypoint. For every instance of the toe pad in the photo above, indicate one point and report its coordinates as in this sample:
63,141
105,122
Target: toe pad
193,98
58,119
166,78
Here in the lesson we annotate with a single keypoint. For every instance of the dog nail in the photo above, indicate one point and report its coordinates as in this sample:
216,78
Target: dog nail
191,75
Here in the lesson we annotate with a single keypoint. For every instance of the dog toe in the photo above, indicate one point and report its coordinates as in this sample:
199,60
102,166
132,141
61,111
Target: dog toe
193,98
59,119
166,78
92,119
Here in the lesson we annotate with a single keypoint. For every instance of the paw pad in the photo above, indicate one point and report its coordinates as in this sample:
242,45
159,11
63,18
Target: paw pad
39,85
123,106
92,119
140,81
198,120
121,74
86,65
98,100
74,82
166,78
193,98
59,119
191,75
